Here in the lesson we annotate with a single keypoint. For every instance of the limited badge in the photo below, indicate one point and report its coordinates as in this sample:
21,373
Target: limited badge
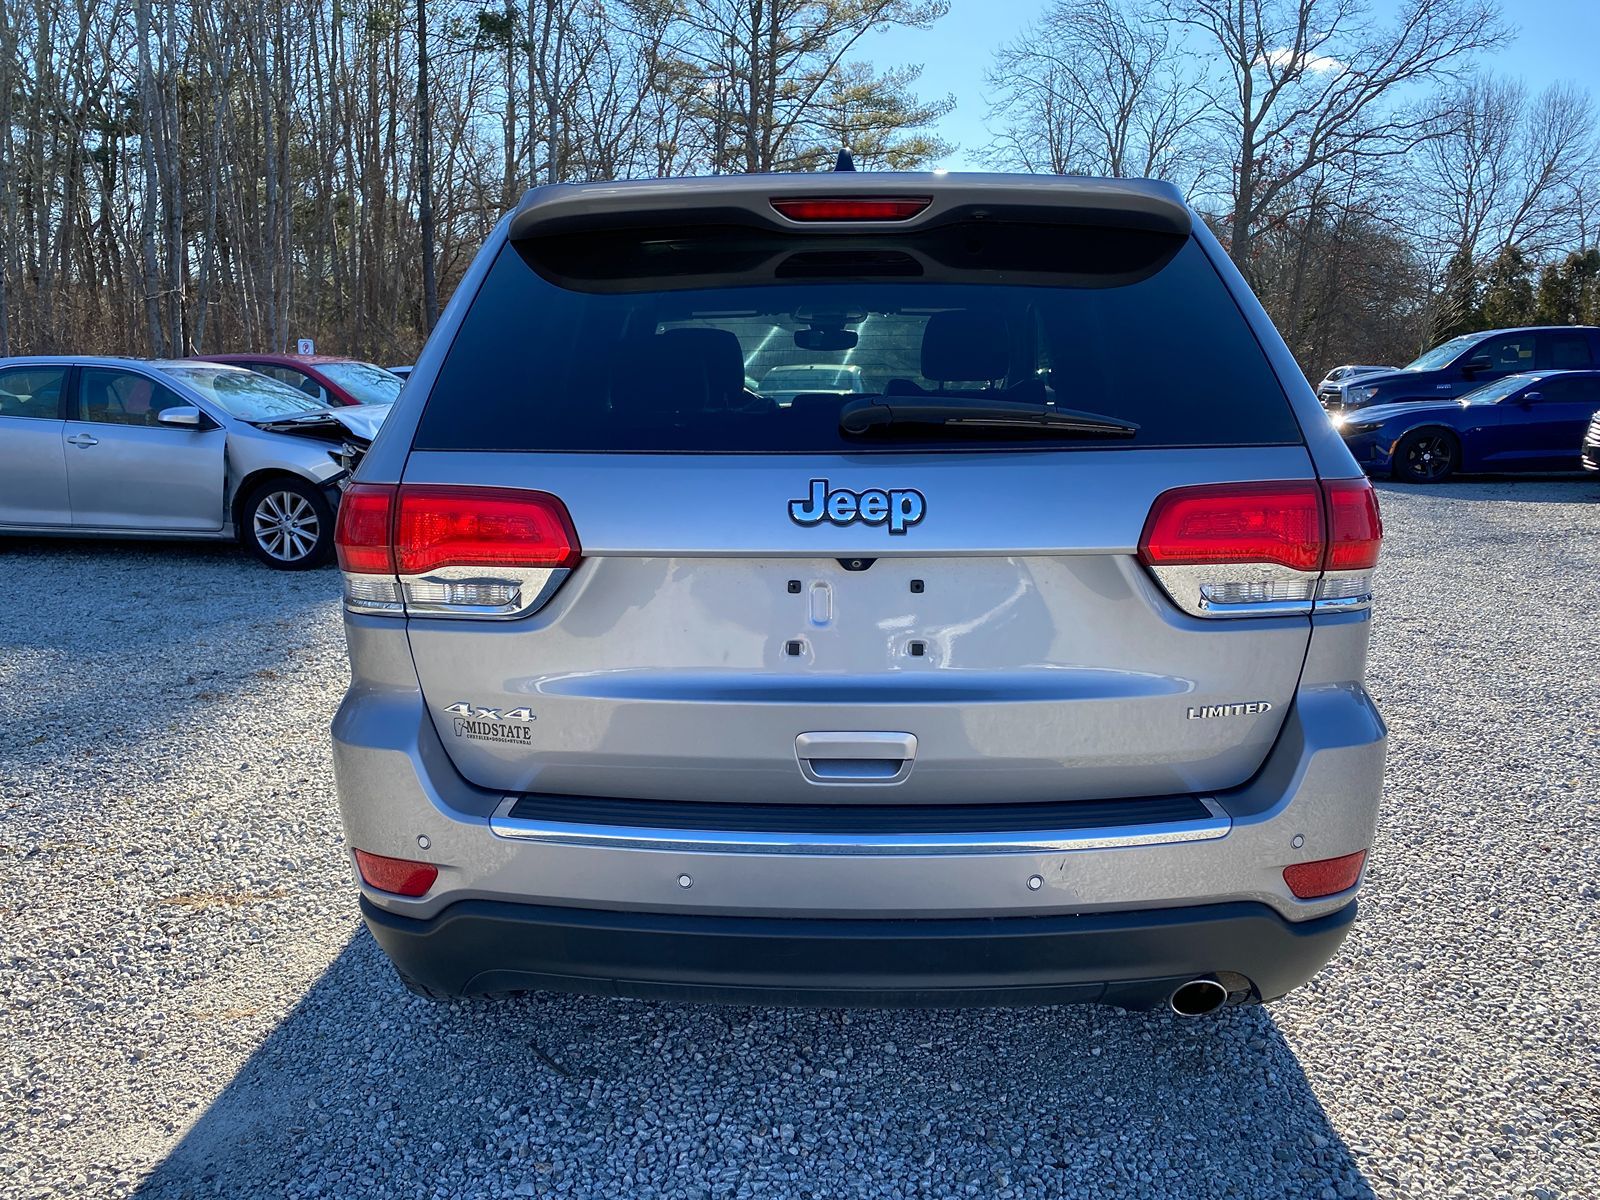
1247,708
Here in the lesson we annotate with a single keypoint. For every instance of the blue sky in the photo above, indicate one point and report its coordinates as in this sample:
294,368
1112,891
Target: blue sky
1558,40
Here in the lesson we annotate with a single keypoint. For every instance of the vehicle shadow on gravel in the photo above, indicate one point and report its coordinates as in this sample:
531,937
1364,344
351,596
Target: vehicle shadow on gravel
364,1090
136,638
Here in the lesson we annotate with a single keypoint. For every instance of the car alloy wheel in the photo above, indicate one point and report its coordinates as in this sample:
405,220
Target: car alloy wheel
1428,457
286,526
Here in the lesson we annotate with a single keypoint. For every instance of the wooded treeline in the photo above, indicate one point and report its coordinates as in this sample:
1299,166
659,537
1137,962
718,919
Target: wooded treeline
179,176
1379,186
189,175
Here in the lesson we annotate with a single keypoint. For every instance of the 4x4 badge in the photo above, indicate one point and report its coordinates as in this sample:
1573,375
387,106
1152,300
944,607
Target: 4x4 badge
899,508
462,709
491,724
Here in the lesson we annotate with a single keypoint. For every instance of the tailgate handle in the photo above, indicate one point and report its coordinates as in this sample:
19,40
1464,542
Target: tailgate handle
856,757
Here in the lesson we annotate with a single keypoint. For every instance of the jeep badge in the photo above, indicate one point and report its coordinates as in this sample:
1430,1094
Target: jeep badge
899,509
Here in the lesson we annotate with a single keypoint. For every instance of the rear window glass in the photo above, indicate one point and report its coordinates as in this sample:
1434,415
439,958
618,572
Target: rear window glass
730,341
812,377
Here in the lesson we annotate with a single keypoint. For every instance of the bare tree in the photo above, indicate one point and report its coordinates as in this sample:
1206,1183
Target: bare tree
1313,84
430,286
150,198
182,176
1372,196
1093,89
550,28
1464,169
1342,280
1501,169
8,170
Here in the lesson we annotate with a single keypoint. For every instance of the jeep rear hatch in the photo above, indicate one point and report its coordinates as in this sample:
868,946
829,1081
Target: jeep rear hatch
753,599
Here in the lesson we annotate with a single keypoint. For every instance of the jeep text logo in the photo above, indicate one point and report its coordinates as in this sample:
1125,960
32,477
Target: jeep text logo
899,509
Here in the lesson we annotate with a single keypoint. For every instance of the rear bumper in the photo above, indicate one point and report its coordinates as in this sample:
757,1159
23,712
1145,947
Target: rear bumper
1315,798
1114,912
1130,959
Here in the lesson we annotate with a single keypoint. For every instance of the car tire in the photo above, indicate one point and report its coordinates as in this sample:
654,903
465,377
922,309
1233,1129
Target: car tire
1426,456
287,523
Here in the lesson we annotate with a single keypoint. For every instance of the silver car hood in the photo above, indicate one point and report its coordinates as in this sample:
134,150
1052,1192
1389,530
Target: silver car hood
362,419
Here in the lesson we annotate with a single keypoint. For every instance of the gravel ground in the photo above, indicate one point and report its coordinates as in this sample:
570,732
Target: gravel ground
191,1009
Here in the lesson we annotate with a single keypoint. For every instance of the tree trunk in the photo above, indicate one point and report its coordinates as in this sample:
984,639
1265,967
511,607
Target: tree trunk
1240,228
219,73
508,186
150,278
170,164
430,285
8,170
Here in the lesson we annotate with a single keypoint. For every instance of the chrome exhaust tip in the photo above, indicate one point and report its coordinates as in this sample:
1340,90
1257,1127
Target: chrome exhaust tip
1198,997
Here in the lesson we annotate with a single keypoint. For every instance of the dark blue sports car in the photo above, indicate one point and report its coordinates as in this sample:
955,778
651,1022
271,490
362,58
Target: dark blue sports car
1529,422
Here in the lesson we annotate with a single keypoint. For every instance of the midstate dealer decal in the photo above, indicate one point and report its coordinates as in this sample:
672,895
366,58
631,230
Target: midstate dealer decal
510,725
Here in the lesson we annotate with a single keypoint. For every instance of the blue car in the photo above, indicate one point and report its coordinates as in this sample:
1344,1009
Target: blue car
1453,369
1529,422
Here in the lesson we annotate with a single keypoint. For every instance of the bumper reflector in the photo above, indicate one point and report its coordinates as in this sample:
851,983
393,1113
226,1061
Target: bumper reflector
400,876
1325,877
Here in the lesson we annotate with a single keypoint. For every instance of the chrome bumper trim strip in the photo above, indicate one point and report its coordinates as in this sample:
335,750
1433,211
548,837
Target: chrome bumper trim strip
729,841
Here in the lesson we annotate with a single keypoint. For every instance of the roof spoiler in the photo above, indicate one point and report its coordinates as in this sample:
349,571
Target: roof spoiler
748,200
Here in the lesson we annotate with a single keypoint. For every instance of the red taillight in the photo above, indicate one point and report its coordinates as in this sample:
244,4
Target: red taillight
361,536
851,208
400,876
488,527
1325,877
1355,530
463,552
1264,549
1236,523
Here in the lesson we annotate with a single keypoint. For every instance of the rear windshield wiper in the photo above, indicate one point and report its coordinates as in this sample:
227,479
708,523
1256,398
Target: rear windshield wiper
1015,416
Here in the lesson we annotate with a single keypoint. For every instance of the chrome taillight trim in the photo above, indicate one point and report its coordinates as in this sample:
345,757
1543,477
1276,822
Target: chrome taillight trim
374,595
534,587
398,596
1193,588
1344,591
1271,586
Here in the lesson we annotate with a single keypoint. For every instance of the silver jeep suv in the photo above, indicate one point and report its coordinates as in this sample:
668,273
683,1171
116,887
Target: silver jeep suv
1029,673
